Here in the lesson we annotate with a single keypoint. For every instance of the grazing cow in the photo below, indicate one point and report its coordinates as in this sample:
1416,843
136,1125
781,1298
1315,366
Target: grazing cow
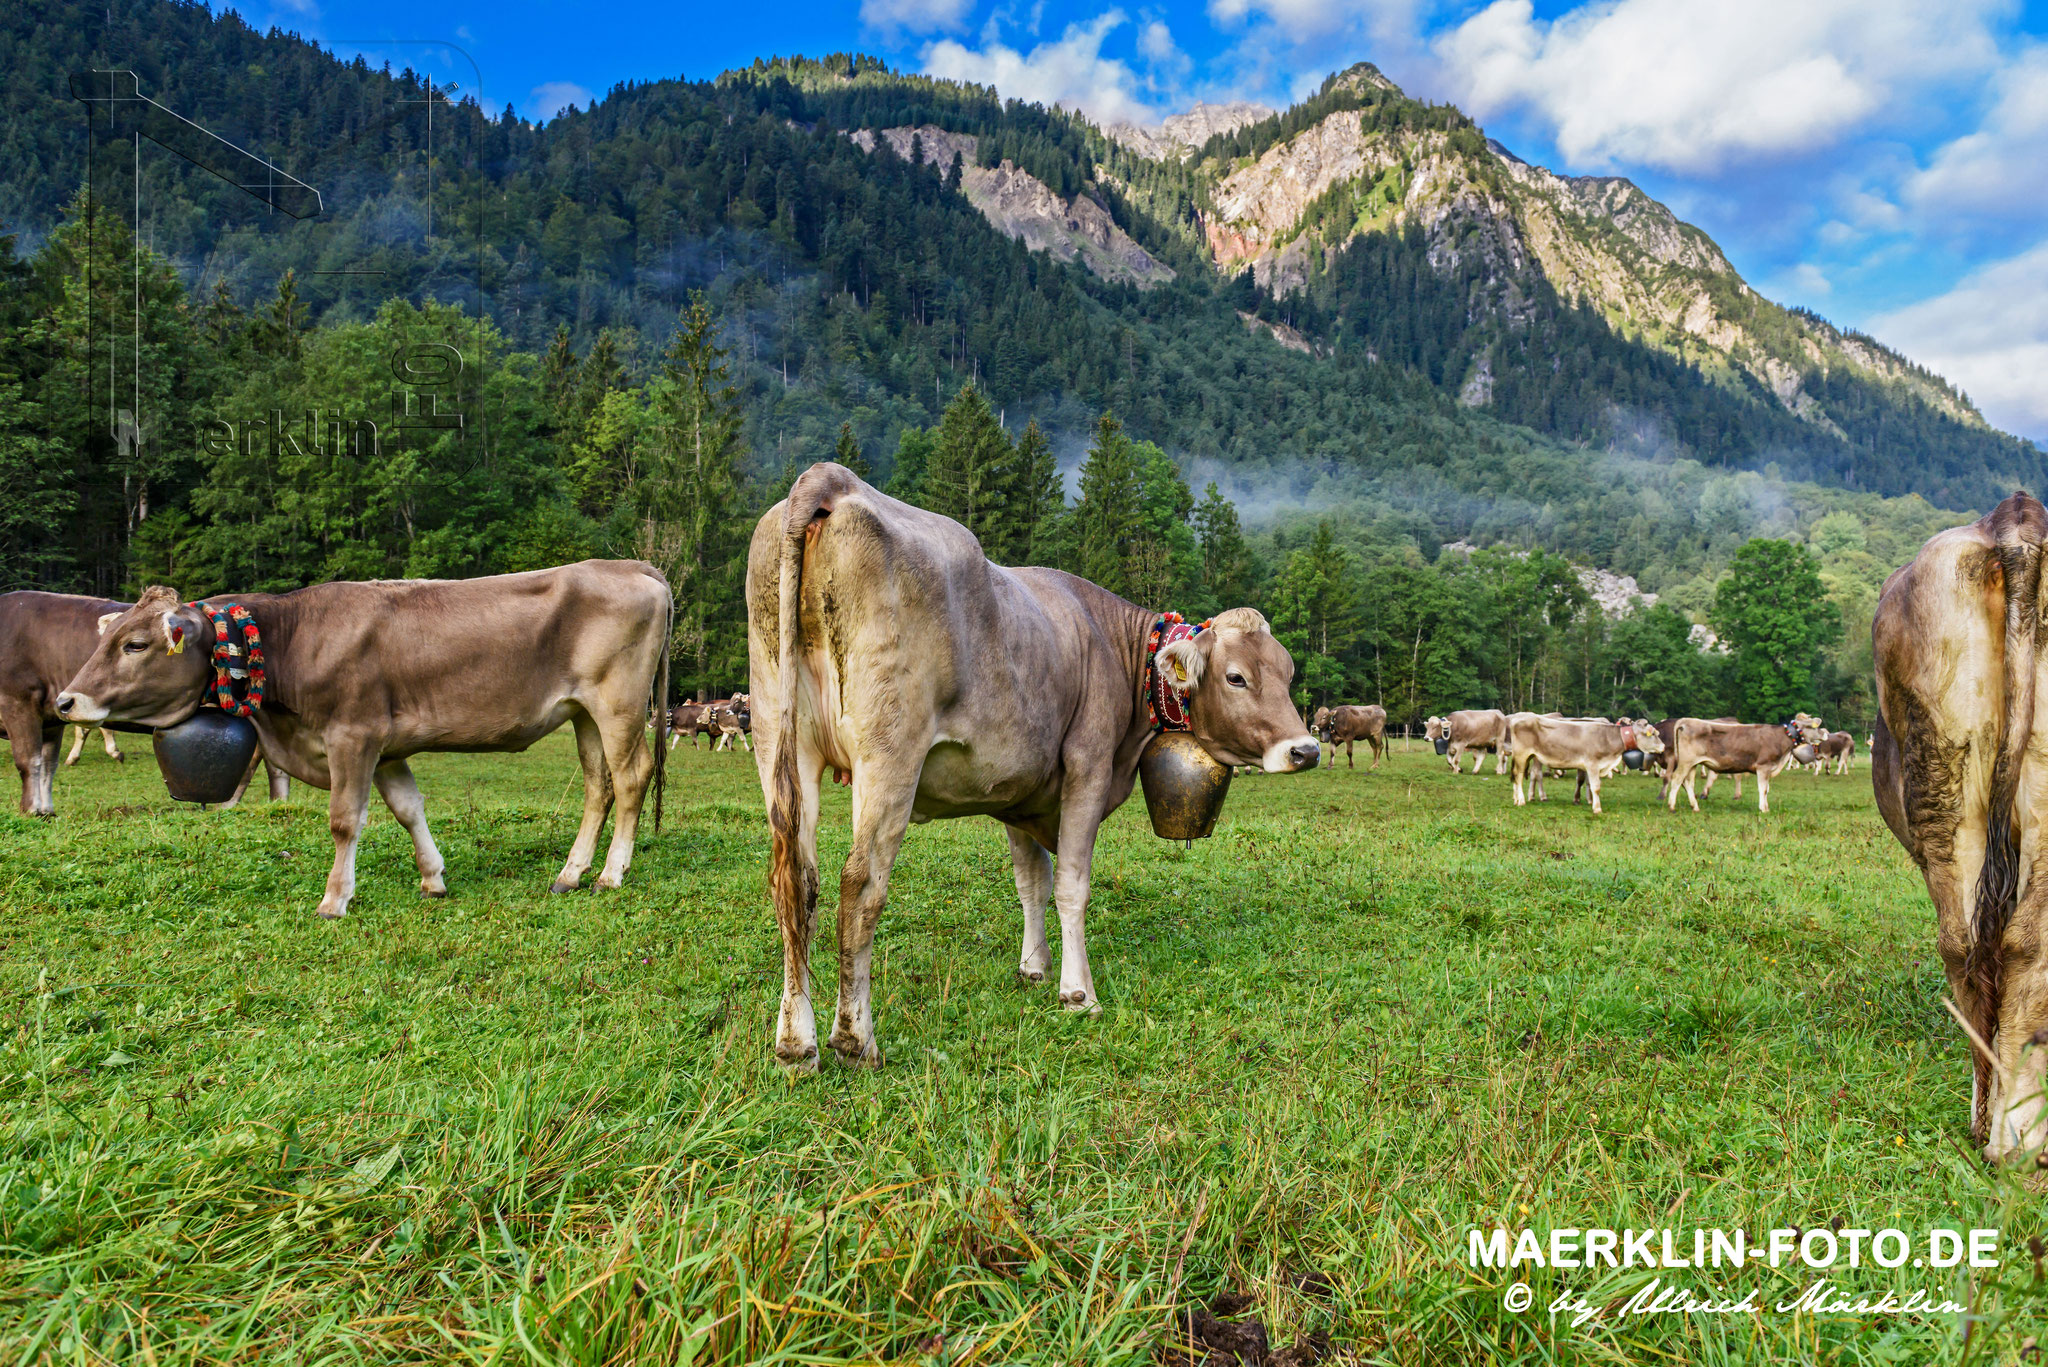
1956,761
78,734
1594,748
1837,751
1482,732
1335,726
44,638
1731,748
883,644
362,675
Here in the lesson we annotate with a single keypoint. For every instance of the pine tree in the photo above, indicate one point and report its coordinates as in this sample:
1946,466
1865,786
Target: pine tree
1316,598
692,523
1226,563
913,458
284,321
969,477
558,375
847,451
1109,519
1040,498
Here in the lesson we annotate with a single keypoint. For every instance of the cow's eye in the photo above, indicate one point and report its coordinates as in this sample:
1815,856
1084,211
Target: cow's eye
134,647
1233,678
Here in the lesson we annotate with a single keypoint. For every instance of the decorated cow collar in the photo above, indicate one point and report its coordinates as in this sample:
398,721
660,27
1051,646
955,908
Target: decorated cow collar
238,677
1165,704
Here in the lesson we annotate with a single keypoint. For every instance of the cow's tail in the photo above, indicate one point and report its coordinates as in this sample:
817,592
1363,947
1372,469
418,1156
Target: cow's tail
792,882
668,640
2019,525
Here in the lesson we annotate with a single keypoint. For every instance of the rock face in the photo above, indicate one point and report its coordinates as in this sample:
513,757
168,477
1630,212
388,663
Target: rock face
1178,135
1596,240
1616,595
1023,207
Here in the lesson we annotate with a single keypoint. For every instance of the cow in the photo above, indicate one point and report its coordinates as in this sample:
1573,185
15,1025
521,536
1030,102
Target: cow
734,718
1667,731
884,645
361,676
687,719
78,735
1482,732
1594,748
1956,762
1335,726
1837,751
1731,748
44,638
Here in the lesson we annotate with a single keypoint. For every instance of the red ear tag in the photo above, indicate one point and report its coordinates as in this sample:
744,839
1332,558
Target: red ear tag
177,639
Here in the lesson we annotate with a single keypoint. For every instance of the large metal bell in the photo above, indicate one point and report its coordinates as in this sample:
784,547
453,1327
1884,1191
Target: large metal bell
1633,759
1184,786
204,757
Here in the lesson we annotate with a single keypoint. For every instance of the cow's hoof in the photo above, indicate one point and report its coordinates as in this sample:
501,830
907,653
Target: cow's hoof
1081,1002
331,913
1030,976
802,1063
564,885
434,889
856,1053
610,882
120,759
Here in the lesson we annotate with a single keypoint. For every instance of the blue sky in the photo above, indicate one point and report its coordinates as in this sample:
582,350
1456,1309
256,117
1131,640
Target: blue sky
1884,162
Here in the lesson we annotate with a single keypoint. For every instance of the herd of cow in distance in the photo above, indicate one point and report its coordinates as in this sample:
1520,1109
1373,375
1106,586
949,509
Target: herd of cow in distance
886,649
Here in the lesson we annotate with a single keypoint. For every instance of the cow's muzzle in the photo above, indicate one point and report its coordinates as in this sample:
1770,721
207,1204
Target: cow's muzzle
78,707
1292,756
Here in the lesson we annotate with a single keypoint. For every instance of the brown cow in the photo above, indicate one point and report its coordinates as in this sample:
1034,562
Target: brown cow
688,719
363,675
734,719
1335,726
883,643
1731,748
1594,748
1956,762
1481,731
1837,752
44,638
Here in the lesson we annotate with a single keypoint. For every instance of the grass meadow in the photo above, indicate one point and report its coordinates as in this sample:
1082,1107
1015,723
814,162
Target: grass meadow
1373,1012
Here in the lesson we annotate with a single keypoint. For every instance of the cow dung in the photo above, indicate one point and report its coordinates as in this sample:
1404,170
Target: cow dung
1223,1341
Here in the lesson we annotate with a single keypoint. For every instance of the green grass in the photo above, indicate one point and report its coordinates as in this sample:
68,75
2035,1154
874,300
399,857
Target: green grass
1371,1013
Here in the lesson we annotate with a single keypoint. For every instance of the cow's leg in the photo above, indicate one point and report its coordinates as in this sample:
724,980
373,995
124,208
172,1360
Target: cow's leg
402,795
279,781
1521,772
1070,889
25,733
1033,867
1349,763
631,761
795,893
1379,751
350,773
113,750
597,802
1763,791
248,773
77,745
1590,776
883,790
47,773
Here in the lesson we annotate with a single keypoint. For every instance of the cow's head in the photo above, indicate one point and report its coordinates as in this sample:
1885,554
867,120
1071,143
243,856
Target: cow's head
1235,678
1437,731
151,666
1647,739
1320,727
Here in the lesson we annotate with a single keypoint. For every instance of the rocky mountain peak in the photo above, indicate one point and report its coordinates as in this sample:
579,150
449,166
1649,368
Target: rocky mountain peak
1177,135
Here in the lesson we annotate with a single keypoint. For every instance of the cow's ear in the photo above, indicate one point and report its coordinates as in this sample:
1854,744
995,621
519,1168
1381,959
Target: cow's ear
108,619
1181,664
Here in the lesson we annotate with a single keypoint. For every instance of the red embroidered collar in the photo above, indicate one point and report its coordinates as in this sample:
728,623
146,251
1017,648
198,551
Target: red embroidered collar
1164,705
236,662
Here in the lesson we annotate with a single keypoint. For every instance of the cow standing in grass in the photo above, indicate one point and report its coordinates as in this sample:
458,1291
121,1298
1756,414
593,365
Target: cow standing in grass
1594,748
884,646
1732,748
1481,731
1345,726
44,638
1960,768
363,675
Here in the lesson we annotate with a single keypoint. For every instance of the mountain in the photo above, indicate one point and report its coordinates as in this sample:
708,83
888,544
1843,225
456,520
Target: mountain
1357,294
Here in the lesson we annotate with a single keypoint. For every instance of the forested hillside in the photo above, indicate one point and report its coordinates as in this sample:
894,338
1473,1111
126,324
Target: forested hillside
722,257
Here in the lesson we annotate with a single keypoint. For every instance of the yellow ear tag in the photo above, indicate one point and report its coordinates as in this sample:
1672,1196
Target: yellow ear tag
1180,671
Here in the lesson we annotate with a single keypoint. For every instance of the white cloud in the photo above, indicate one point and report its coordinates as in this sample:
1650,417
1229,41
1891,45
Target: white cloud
915,16
1155,42
1389,23
550,98
1998,168
1691,87
1805,281
1071,71
1990,335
